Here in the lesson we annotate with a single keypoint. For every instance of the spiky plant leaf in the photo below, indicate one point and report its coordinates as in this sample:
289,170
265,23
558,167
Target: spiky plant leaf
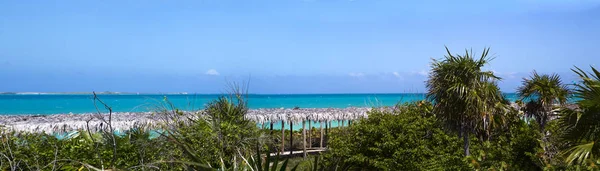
582,126
284,165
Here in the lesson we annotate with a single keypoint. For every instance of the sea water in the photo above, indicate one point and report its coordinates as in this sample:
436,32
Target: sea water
77,104
62,104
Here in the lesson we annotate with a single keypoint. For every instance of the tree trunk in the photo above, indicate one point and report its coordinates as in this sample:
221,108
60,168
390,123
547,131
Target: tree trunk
466,141
326,133
291,137
271,128
321,127
282,137
543,121
489,127
304,139
547,113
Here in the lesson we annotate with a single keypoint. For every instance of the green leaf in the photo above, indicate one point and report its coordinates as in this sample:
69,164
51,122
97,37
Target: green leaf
259,159
275,163
295,167
284,165
315,165
268,160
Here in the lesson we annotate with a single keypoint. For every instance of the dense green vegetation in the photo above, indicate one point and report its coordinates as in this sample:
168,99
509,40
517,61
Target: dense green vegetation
582,127
465,108
412,138
464,124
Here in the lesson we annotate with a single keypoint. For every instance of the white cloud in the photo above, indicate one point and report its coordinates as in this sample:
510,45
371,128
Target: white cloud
511,75
423,73
358,74
211,72
398,75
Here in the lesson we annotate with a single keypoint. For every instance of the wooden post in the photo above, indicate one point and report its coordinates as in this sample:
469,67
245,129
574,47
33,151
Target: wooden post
304,139
271,146
321,127
271,123
309,134
282,137
291,138
326,132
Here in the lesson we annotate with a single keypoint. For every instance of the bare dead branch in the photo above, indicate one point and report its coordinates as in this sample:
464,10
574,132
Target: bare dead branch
109,124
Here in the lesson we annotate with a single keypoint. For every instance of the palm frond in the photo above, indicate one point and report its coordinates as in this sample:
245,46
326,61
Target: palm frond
462,92
580,153
582,125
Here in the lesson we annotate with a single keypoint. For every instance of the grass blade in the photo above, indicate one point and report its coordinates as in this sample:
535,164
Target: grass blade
283,167
275,162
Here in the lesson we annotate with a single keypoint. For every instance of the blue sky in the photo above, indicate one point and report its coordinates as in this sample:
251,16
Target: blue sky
283,46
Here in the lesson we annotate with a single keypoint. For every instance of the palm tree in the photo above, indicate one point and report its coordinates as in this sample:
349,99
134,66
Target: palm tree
582,126
463,94
543,92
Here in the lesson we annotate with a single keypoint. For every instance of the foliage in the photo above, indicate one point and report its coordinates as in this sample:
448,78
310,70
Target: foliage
543,91
412,138
515,148
38,151
582,126
270,164
218,135
464,96
409,138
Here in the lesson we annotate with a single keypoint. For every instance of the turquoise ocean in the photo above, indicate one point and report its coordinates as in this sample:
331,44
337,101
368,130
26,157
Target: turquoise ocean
78,104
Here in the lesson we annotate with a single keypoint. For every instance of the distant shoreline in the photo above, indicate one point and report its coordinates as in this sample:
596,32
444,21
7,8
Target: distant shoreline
186,93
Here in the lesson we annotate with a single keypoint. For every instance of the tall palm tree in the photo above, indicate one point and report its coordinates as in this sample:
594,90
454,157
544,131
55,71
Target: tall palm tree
582,126
543,92
463,94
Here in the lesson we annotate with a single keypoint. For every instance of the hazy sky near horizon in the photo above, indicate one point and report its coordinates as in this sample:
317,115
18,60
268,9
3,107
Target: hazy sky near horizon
283,46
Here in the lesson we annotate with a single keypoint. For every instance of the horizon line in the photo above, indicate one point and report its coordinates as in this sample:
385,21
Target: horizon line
195,93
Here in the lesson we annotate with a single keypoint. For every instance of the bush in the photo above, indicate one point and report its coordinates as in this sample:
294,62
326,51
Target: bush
218,135
409,138
412,138
39,151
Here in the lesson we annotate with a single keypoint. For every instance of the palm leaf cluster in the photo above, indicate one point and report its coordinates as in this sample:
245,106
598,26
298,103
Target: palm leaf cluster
542,92
582,126
218,136
465,96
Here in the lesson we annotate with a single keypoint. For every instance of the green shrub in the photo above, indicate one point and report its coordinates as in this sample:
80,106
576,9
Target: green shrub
409,138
